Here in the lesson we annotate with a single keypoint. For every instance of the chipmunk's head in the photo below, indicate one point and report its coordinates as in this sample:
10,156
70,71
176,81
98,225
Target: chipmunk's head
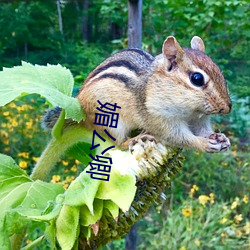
197,74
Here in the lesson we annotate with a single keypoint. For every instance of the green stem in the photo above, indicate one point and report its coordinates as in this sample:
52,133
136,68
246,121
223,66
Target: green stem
16,240
57,147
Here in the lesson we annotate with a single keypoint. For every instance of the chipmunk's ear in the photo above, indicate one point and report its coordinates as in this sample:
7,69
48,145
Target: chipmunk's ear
197,43
171,49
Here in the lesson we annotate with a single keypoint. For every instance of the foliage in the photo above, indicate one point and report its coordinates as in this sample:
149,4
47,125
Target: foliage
223,25
90,212
52,82
199,223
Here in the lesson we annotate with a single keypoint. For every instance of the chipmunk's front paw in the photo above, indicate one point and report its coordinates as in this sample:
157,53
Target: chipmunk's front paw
141,139
217,142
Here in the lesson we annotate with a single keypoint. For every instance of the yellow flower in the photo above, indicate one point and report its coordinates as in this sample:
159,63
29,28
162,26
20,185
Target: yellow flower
4,134
203,199
238,233
183,248
29,124
24,154
23,164
65,163
6,113
73,168
223,235
55,178
6,141
211,195
28,241
12,105
65,185
238,218
235,203
245,199
197,242
77,162
193,190
187,211
224,164
247,227
70,178
234,152
223,220
14,123
35,159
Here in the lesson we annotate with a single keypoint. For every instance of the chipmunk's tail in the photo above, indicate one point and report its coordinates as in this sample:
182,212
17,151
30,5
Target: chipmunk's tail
50,117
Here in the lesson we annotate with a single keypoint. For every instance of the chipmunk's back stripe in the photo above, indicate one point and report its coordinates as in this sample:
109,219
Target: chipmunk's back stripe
118,77
118,63
142,53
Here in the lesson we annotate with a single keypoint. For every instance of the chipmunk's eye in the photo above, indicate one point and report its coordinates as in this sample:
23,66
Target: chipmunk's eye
197,79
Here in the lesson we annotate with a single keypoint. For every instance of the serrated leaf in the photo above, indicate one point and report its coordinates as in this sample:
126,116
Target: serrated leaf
67,226
53,82
14,198
82,191
9,184
9,168
39,194
120,189
81,151
86,218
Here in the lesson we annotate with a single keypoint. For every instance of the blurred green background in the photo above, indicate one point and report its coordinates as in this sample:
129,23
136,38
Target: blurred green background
207,206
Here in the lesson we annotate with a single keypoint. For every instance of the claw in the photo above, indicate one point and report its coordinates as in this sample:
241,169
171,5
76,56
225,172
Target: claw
218,142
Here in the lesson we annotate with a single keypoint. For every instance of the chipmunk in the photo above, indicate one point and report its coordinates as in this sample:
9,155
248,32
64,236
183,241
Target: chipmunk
169,97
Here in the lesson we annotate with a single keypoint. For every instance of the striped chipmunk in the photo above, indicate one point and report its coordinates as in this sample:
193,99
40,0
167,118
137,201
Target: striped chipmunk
168,97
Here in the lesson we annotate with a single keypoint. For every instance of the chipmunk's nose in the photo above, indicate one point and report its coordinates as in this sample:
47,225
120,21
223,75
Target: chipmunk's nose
227,108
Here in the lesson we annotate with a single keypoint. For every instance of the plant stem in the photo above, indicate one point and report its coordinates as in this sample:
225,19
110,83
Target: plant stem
57,147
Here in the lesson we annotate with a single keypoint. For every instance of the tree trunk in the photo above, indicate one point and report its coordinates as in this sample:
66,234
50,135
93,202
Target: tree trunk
85,23
135,23
59,16
131,238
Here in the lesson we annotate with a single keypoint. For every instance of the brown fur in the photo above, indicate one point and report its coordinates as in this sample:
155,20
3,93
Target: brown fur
156,95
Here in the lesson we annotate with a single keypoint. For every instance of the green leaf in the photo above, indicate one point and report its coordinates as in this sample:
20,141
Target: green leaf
9,168
50,234
53,82
50,213
39,194
67,226
14,198
120,189
112,207
4,240
20,197
87,218
6,186
81,151
82,191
